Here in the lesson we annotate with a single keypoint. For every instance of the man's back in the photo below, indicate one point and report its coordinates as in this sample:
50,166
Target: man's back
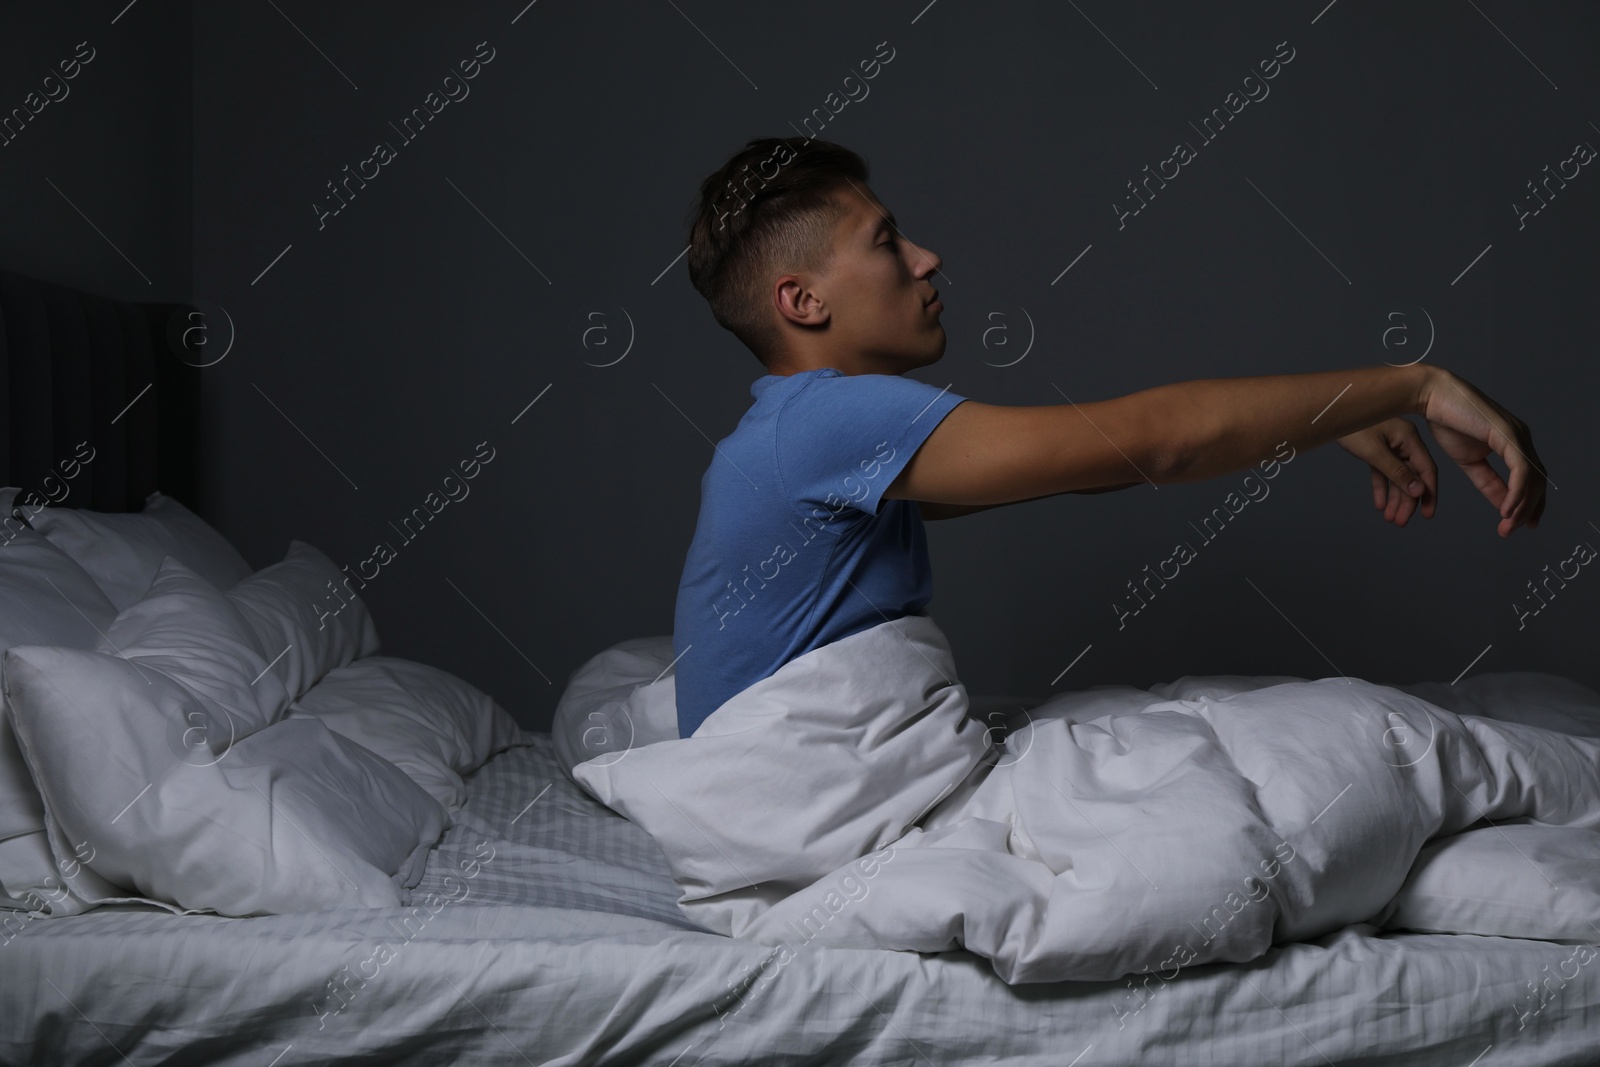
795,546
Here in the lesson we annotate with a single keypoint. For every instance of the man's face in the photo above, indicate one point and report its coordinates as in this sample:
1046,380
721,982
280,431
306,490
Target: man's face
879,289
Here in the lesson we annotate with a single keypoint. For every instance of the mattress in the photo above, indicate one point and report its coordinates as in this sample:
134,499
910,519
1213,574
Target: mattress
544,931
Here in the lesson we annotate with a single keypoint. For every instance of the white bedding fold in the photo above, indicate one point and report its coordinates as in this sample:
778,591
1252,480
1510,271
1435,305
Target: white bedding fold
1117,832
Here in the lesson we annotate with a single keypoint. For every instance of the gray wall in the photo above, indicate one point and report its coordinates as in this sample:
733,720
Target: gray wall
94,184
458,286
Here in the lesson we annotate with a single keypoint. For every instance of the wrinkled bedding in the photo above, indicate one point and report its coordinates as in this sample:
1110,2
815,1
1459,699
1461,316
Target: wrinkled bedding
546,930
851,799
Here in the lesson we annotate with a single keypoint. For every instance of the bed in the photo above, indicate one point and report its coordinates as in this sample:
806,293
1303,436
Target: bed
542,927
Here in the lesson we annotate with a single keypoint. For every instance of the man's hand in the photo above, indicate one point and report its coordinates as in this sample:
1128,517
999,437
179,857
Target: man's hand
1404,476
1468,426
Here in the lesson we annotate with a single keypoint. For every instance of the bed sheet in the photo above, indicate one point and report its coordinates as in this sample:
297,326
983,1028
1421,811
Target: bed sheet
544,932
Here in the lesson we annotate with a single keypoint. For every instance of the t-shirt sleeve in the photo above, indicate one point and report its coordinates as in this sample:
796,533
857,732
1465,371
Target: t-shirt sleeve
842,440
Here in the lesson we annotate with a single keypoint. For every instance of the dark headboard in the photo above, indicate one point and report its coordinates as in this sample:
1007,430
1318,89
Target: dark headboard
71,367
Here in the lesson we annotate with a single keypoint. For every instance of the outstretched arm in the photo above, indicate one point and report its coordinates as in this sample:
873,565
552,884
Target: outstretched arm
985,454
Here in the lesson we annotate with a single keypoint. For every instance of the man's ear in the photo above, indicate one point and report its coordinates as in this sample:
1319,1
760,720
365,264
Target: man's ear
798,303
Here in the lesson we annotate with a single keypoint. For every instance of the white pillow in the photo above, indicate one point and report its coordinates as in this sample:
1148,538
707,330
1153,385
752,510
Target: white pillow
304,609
122,552
42,886
429,723
1508,880
153,763
45,598
190,630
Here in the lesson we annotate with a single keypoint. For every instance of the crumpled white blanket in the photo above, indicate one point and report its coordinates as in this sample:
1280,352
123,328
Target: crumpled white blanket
850,799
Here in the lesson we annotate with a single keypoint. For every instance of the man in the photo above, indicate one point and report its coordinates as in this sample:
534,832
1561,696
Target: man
811,514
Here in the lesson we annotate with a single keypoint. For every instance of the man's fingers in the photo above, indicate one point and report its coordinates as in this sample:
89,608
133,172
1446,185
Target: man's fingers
1398,505
1525,478
1525,498
1409,481
1411,447
1526,495
1488,481
1430,501
1406,504
1517,493
1404,476
1406,491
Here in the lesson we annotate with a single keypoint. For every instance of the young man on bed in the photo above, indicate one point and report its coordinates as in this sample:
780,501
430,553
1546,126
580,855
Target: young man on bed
811,511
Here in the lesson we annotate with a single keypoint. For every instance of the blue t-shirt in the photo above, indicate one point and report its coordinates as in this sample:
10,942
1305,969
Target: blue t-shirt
792,549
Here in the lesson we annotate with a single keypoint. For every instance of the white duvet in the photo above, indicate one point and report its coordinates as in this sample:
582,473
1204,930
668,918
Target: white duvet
851,799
